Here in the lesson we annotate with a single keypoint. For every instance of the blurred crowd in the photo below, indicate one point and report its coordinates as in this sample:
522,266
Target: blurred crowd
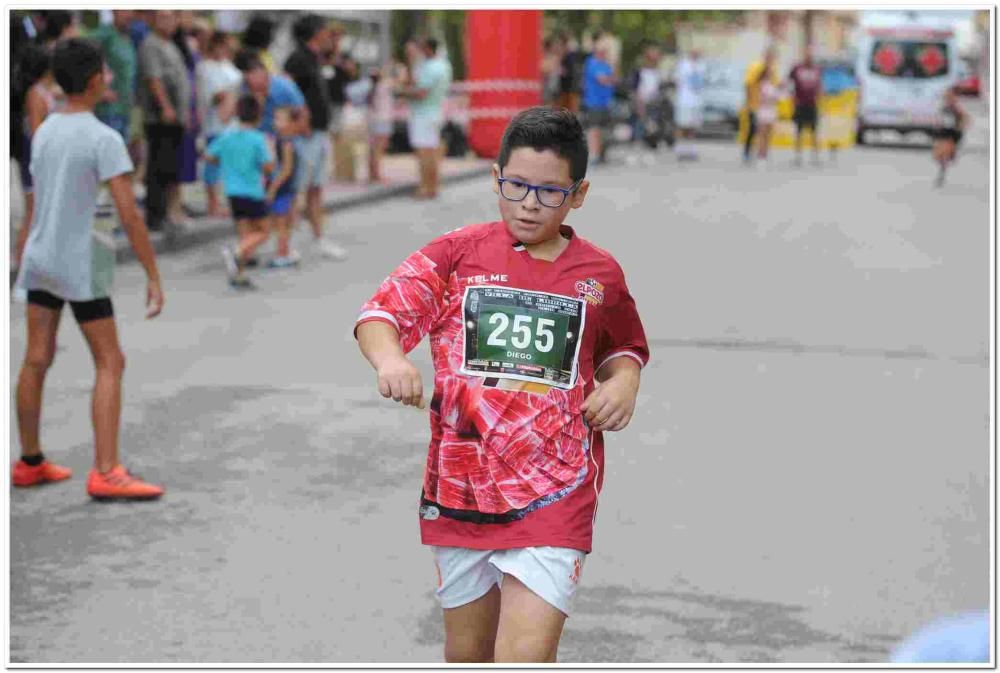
661,97
174,82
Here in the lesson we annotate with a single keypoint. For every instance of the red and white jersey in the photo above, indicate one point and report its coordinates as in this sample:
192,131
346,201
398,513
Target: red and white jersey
516,342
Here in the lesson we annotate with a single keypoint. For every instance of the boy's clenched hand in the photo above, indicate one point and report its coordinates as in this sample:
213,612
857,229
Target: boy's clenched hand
609,406
400,380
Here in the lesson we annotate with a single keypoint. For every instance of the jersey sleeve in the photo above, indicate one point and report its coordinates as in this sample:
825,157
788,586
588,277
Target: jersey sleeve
112,157
621,332
412,298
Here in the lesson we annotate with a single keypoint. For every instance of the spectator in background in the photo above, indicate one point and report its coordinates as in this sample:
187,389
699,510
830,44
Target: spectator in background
645,86
34,99
314,38
552,54
187,43
379,120
245,159
259,35
570,75
767,108
120,56
752,85
336,77
431,81
218,82
690,80
165,95
271,91
598,91
142,20
806,80
59,25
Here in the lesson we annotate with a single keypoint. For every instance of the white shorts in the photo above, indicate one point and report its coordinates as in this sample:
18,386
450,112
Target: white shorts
425,134
464,575
687,116
314,151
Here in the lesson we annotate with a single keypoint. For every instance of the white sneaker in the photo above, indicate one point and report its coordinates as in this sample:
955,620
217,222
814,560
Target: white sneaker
229,257
331,250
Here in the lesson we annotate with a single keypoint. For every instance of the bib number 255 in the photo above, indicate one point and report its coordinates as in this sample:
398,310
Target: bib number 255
520,334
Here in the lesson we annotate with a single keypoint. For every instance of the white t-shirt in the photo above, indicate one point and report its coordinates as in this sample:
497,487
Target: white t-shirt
649,84
690,78
213,77
71,155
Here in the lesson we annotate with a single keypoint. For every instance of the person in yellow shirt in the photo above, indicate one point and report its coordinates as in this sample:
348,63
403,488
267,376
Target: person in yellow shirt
755,76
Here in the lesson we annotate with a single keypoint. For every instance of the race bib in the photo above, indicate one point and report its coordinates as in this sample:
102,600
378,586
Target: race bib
518,334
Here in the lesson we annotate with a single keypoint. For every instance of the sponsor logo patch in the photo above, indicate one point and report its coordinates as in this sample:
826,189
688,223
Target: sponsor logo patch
591,291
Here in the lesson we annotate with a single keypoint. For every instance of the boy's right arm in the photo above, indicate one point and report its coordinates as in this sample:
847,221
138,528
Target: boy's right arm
138,236
397,377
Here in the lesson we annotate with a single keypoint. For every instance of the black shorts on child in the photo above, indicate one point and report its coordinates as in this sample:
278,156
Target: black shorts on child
83,311
248,209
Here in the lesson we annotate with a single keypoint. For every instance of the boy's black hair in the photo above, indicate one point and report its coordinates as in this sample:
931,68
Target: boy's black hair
248,109
306,26
74,62
247,59
546,128
259,33
432,44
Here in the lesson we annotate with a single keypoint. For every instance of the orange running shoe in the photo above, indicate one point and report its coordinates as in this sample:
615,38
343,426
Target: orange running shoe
27,475
118,484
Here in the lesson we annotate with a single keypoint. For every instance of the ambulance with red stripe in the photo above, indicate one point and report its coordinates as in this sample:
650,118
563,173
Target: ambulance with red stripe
906,61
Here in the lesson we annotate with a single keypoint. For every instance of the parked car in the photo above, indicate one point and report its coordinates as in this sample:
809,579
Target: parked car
968,79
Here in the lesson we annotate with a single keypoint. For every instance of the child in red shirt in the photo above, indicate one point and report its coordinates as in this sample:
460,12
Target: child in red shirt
537,348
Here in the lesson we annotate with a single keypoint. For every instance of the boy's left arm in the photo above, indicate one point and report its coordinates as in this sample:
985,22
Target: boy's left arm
620,353
611,404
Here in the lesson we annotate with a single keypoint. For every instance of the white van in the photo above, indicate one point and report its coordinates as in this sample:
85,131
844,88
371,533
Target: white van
905,65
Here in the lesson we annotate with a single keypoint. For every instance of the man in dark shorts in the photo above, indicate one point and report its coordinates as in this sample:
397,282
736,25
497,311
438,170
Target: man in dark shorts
806,79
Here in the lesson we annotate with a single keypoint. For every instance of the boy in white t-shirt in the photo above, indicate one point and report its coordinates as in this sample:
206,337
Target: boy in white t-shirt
72,155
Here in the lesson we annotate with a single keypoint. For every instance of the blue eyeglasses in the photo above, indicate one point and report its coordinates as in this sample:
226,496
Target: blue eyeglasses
550,196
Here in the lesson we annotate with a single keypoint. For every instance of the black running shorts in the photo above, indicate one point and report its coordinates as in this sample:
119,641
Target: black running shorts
83,311
248,209
805,116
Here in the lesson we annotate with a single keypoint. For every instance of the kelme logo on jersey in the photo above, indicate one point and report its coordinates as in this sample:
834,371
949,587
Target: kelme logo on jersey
591,290
429,512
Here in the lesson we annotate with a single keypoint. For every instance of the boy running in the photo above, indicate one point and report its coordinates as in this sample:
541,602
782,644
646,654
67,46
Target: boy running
954,120
245,159
72,155
537,347
282,190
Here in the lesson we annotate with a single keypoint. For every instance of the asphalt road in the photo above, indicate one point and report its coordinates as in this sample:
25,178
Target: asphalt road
806,478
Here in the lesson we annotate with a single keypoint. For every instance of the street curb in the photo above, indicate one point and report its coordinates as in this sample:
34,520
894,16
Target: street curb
211,229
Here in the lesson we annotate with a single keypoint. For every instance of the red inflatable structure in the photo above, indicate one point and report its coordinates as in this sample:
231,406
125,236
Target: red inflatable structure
503,71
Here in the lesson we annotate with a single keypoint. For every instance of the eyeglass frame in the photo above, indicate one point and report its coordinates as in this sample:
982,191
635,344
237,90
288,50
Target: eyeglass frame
534,188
